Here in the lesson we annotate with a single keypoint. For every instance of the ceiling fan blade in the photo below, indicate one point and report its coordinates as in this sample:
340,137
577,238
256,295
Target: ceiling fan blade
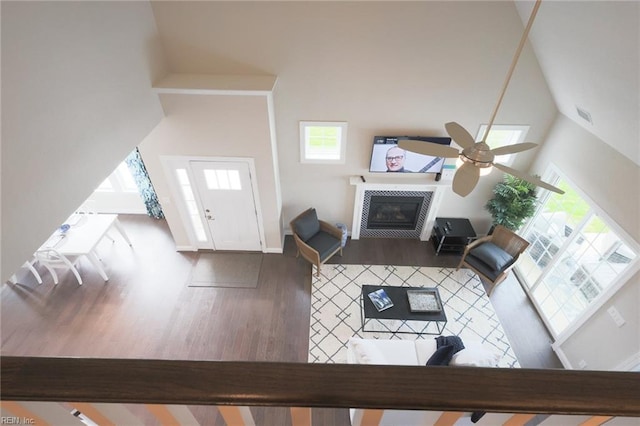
512,149
465,179
534,180
459,134
428,148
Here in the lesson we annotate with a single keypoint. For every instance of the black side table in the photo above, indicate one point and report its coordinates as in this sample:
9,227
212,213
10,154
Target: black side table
452,234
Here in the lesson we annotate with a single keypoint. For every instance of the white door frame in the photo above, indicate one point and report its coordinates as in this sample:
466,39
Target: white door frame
173,162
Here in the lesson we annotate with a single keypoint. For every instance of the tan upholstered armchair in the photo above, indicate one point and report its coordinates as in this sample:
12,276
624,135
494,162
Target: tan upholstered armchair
316,240
493,256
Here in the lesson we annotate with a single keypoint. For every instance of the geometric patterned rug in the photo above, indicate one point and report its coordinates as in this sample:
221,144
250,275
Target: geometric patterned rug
335,308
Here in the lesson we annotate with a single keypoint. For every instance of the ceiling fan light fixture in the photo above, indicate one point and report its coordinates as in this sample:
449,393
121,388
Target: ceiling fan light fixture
479,154
485,168
486,171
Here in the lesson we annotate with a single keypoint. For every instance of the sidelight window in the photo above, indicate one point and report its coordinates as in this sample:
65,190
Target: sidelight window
192,206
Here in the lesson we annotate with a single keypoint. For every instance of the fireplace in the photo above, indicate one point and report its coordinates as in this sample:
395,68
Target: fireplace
394,212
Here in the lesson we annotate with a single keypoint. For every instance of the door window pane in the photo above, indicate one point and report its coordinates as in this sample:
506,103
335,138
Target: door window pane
223,179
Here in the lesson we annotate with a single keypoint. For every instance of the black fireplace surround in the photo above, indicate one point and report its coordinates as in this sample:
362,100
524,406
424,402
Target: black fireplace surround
394,212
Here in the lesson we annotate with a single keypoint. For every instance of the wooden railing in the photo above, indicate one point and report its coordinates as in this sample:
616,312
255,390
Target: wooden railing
378,387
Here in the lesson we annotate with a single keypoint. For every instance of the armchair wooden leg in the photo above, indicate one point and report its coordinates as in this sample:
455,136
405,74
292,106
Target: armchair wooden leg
490,289
318,271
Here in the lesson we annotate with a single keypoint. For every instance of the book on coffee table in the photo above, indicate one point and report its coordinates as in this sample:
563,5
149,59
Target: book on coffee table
424,300
380,300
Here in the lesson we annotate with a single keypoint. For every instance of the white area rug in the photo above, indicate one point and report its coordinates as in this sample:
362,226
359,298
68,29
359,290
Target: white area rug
335,308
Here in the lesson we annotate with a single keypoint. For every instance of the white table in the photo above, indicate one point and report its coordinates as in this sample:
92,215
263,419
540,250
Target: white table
86,231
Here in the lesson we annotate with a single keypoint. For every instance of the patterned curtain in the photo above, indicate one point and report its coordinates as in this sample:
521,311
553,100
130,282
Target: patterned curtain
145,187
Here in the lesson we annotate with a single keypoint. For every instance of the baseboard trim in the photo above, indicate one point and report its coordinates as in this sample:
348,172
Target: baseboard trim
630,364
627,365
273,250
562,356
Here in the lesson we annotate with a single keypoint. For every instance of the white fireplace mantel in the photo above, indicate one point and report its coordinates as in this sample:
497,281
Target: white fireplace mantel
380,185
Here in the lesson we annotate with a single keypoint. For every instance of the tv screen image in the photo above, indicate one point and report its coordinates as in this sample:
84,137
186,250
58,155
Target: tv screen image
387,157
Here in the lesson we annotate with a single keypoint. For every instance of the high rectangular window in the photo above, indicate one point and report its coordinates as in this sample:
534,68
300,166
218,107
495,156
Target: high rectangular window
323,142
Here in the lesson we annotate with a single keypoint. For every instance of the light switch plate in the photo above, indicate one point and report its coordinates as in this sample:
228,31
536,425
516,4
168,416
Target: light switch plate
617,318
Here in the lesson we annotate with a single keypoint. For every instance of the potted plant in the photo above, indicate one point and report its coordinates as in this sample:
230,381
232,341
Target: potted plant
514,201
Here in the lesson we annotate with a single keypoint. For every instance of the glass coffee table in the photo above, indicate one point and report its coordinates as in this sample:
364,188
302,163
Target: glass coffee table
400,318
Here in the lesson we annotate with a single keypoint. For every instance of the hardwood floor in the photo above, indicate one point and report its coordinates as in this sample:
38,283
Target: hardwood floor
146,309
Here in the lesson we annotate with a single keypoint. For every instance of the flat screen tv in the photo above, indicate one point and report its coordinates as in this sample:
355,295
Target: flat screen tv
387,157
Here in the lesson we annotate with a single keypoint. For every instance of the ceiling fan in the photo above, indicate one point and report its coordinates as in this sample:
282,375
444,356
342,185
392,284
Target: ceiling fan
476,156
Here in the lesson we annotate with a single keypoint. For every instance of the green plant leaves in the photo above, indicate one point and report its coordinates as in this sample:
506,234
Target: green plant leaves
513,203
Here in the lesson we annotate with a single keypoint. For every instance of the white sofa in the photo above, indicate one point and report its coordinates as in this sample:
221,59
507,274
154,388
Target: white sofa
413,352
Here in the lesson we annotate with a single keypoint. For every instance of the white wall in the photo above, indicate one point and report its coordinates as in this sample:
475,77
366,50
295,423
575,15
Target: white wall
589,52
384,67
611,181
76,97
215,126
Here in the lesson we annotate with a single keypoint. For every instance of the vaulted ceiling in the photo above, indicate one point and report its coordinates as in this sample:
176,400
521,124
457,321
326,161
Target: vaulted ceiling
589,52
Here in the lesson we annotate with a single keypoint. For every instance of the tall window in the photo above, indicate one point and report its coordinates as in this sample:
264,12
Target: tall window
575,255
323,142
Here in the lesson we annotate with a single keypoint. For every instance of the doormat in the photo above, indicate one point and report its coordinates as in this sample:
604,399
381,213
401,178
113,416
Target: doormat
230,270
335,308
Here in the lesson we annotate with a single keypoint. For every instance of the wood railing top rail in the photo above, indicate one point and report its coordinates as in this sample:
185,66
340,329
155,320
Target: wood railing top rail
319,385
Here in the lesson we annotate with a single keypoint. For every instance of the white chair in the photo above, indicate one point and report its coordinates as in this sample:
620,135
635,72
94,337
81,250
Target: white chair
35,273
51,259
29,266
89,207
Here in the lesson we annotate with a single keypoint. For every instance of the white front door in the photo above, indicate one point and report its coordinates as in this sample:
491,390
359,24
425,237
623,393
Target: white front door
228,204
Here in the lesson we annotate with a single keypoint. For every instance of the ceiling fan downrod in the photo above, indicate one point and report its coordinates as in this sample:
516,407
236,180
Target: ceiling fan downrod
514,62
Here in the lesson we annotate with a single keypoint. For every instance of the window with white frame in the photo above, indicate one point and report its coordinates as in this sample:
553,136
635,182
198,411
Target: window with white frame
502,135
323,142
120,180
576,254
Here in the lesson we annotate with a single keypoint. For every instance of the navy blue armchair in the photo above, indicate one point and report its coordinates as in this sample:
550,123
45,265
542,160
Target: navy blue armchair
493,256
315,239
